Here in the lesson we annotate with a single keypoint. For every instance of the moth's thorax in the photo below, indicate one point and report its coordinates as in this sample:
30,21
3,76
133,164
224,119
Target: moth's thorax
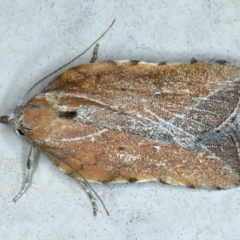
130,120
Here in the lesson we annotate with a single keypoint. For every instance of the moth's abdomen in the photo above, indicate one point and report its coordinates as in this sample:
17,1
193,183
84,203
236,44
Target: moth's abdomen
132,121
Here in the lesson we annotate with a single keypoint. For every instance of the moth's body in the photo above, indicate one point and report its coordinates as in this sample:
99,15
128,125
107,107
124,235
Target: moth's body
134,121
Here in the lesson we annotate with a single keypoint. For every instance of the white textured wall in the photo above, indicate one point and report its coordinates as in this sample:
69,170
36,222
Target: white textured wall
39,36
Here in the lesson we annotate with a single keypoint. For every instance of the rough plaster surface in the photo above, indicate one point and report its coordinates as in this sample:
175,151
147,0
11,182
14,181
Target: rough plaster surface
38,37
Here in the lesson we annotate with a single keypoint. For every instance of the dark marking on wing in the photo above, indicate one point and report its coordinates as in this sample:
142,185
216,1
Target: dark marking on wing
193,60
221,62
134,62
67,115
162,63
161,181
132,180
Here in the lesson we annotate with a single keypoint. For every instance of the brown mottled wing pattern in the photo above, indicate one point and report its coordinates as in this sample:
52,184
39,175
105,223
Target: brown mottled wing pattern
116,121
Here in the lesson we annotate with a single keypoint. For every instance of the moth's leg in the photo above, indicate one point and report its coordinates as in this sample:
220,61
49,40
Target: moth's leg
32,156
91,197
68,169
95,53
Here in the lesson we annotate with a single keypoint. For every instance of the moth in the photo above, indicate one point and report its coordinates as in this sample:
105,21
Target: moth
129,121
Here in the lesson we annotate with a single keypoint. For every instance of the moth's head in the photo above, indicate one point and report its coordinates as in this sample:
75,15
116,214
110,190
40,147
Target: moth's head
14,121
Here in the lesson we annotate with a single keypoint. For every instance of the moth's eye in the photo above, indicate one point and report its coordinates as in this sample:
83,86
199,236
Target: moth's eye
19,132
67,115
33,106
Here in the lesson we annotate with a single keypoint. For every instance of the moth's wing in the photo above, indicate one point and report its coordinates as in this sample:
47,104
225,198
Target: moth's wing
158,93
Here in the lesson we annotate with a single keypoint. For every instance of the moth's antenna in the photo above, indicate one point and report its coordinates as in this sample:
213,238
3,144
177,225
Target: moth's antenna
49,75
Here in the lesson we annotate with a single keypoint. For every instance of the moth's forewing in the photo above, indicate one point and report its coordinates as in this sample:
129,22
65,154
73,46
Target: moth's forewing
115,121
